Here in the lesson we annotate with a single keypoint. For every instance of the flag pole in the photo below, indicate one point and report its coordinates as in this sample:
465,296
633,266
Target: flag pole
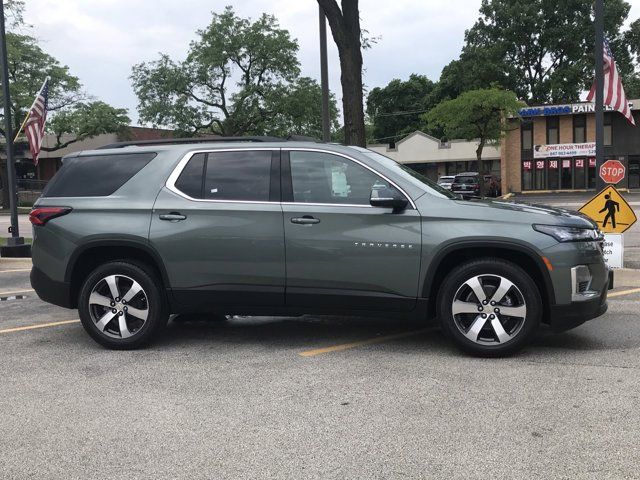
599,107
15,244
29,111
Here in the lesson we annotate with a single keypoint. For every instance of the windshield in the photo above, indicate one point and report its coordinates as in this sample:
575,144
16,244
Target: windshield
467,180
393,165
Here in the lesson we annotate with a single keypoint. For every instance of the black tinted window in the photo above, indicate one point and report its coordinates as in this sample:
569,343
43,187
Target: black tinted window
190,180
95,175
467,180
324,178
238,176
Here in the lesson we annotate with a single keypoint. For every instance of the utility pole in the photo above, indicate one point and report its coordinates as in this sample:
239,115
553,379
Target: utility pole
324,77
15,244
599,62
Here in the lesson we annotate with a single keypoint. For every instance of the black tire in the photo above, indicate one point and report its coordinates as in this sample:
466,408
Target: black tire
152,296
519,330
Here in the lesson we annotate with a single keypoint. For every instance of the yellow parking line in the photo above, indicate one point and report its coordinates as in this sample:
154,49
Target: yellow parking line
6,294
41,325
370,341
17,270
624,292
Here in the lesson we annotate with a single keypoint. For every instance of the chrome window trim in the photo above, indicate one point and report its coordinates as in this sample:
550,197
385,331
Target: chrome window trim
173,177
339,154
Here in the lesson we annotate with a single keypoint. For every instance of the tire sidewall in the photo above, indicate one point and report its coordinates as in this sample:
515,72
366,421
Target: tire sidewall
510,271
156,303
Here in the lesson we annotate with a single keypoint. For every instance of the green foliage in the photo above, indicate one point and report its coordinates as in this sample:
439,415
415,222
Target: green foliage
476,114
231,83
540,49
86,120
28,66
396,110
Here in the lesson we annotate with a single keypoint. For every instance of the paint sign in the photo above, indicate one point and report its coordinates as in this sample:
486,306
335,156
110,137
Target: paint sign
613,249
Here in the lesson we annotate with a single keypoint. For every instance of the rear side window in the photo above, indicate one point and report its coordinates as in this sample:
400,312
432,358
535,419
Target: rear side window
239,176
95,175
467,180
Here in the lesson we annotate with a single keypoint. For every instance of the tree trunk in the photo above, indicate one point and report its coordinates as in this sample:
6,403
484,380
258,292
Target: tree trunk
480,167
345,29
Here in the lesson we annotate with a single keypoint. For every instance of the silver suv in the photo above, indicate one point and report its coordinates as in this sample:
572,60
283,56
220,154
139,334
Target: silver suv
133,233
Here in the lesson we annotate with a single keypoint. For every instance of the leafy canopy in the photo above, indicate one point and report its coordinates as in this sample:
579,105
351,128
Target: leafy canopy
540,49
397,109
230,82
476,114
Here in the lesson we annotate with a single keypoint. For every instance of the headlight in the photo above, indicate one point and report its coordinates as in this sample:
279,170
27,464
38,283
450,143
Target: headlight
568,234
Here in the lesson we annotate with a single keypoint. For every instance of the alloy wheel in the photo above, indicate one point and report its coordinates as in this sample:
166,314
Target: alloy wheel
118,306
489,309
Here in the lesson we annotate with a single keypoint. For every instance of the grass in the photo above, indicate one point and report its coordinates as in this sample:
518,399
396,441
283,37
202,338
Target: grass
3,241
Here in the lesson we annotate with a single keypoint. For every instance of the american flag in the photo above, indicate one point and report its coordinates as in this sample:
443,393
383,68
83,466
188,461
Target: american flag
614,96
34,126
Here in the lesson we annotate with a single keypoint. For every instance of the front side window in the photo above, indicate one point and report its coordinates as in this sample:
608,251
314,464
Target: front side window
527,135
231,176
318,177
579,128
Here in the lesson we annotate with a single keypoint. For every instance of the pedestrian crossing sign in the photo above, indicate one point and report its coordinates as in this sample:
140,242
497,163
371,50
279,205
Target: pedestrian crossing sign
610,211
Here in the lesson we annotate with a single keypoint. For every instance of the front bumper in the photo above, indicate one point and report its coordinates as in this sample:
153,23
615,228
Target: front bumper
51,291
566,317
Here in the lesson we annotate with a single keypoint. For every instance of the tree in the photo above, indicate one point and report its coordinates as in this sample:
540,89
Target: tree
541,49
226,82
476,115
397,109
347,34
28,66
297,110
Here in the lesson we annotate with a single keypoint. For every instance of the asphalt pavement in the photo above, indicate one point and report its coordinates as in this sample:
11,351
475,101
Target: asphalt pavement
313,397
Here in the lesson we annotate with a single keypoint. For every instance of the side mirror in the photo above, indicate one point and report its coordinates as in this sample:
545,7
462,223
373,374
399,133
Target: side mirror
388,198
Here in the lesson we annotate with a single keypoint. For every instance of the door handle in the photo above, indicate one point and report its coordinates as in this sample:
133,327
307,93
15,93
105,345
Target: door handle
173,217
306,220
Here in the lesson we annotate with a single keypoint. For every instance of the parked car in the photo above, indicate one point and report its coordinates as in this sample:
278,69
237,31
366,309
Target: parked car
468,184
135,232
445,181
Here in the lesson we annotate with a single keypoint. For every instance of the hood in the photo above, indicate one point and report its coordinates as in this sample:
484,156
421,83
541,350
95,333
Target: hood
529,213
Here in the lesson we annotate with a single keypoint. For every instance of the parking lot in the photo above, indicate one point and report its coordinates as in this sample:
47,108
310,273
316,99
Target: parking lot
313,397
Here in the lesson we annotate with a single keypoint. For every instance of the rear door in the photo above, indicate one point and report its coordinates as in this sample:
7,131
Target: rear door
218,226
341,251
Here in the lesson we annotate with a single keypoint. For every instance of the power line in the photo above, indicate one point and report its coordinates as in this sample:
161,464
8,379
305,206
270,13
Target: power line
392,114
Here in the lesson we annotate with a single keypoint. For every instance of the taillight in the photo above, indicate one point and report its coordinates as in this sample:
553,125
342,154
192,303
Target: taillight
40,216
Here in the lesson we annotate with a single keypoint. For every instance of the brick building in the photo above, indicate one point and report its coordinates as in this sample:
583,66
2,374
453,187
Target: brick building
553,148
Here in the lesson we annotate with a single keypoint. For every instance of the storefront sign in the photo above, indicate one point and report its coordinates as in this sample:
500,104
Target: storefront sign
564,150
567,109
613,249
540,165
566,163
579,163
553,164
592,162
526,165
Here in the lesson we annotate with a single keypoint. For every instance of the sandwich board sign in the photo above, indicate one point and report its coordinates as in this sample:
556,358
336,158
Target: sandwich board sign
610,211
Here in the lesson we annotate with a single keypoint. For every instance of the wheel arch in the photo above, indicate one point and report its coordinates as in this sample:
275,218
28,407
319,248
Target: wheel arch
91,254
456,253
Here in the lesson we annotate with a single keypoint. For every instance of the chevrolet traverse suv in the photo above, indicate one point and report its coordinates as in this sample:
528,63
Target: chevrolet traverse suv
130,234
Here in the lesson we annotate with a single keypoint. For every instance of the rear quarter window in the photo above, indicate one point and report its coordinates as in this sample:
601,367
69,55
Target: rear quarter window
95,175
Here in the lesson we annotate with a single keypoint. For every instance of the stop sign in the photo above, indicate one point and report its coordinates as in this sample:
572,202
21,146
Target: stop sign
612,171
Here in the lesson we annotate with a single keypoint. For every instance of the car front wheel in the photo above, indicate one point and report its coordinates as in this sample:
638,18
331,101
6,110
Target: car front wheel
489,307
121,305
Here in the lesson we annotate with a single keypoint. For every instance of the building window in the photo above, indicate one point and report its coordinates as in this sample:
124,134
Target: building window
608,137
552,173
527,135
579,172
553,130
579,128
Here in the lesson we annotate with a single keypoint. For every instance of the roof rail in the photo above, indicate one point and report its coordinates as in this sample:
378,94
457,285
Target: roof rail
184,141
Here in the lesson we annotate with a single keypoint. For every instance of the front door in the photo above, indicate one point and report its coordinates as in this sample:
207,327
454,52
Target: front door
634,171
217,225
341,251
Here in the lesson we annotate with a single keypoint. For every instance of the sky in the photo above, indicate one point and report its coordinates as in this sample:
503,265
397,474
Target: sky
101,40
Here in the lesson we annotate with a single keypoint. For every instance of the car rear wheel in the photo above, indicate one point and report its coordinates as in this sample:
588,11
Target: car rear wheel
121,305
489,307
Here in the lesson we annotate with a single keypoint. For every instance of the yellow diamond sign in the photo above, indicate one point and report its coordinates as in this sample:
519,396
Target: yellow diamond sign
610,211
